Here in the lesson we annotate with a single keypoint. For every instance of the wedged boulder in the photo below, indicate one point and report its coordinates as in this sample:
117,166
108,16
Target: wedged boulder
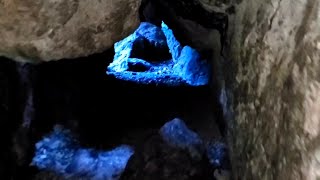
41,30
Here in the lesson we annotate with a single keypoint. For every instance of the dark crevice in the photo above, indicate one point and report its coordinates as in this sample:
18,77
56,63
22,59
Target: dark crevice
152,11
274,14
137,67
143,49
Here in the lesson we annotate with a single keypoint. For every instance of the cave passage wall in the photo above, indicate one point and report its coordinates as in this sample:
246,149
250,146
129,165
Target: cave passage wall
274,89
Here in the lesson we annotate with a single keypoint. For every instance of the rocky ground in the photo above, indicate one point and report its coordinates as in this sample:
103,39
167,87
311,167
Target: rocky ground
79,96
157,160
154,159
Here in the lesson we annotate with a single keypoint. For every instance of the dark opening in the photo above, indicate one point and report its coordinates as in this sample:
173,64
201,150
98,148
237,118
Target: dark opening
137,67
145,50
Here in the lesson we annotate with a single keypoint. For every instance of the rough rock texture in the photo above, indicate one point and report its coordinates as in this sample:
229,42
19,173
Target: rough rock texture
155,159
275,51
61,153
269,82
39,30
175,65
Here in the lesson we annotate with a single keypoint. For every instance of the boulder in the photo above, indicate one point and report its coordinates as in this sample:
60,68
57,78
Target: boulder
267,79
46,30
274,89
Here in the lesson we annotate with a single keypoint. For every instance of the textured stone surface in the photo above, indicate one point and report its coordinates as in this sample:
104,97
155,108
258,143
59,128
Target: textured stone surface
39,30
155,159
177,134
268,82
60,152
275,51
152,55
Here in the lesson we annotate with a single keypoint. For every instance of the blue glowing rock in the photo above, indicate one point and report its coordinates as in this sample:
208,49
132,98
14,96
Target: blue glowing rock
173,44
217,153
113,161
60,153
152,55
83,163
191,67
107,165
177,134
55,151
152,33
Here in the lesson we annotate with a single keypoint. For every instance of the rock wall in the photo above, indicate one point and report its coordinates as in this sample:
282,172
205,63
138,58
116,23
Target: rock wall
267,79
274,48
44,30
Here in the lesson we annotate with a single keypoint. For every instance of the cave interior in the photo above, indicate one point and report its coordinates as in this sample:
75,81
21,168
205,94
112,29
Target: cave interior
78,105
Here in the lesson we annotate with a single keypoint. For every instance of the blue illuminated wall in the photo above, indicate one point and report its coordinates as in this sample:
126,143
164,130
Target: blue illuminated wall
183,66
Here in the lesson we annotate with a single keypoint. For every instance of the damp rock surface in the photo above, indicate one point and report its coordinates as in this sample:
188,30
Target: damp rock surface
176,64
40,30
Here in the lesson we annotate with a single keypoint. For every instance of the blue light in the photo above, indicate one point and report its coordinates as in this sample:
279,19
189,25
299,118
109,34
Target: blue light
59,152
182,67
217,153
177,134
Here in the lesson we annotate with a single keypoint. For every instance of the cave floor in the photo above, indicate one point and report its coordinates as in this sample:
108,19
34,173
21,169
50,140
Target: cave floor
106,112
155,159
